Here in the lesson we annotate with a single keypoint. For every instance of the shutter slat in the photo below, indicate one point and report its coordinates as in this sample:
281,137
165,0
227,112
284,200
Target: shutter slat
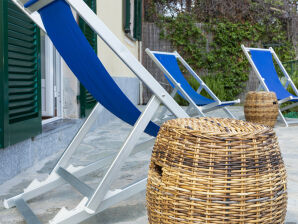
24,115
11,5
89,36
20,29
89,32
90,101
20,111
89,98
26,96
21,50
20,36
14,55
16,84
21,77
17,15
21,117
20,43
16,105
28,64
21,90
21,70
20,22
13,10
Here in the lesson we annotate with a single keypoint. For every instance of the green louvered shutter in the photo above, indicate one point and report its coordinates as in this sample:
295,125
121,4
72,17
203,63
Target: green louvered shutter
137,26
20,112
126,16
136,33
87,102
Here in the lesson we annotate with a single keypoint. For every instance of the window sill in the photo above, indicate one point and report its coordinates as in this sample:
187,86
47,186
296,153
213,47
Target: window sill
50,120
129,36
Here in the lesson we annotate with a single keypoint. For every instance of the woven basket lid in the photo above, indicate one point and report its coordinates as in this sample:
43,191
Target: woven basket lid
215,127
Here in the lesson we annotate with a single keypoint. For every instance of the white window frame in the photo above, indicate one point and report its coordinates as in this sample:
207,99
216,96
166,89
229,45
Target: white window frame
52,84
48,82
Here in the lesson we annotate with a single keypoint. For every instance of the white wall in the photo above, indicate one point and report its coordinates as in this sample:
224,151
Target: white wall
111,12
71,90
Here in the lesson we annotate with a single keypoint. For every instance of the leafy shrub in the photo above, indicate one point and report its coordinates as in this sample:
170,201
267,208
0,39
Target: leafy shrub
223,61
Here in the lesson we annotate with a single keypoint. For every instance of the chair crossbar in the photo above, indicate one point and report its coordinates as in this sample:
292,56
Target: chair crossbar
201,87
285,100
166,52
256,49
164,109
216,104
289,106
79,214
26,212
81,187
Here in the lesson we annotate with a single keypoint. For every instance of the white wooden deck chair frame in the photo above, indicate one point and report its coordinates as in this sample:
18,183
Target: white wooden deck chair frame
95,200
264,87
200,109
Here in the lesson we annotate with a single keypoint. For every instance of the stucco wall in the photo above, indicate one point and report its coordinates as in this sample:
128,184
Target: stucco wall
111,12
71,109
71,89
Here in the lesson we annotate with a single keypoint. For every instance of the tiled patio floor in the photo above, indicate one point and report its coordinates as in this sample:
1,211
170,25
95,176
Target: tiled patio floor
102,141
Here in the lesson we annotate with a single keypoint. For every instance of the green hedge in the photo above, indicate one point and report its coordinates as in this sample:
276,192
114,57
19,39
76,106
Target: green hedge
223,66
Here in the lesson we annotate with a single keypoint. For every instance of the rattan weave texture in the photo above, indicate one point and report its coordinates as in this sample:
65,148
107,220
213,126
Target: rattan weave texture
216,170
261,107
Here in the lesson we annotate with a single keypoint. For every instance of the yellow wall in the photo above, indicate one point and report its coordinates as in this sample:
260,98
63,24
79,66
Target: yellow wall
111,13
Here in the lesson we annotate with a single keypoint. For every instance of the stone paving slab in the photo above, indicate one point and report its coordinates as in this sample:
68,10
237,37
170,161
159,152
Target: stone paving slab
102,141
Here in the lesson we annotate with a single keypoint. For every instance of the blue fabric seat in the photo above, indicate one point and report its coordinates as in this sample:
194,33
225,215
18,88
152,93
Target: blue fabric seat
170,63
264,62
72,45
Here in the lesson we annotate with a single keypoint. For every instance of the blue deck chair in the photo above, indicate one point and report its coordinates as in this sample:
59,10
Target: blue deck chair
167,62
262,63
56,19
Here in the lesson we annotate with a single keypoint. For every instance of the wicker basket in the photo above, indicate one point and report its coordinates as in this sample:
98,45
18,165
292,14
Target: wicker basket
261,107
214,170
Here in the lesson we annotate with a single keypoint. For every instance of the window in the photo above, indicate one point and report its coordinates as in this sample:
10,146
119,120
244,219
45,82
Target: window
133,19
51,81
20,95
